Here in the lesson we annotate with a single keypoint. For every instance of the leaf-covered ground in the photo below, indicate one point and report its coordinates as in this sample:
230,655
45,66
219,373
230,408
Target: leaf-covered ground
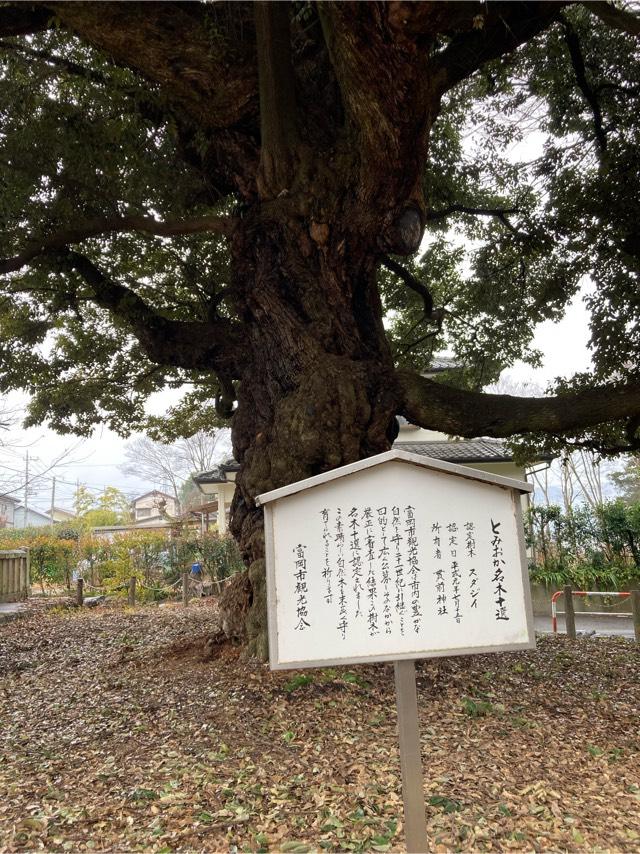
116,734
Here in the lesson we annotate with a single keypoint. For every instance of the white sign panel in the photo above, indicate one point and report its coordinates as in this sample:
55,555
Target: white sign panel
395,560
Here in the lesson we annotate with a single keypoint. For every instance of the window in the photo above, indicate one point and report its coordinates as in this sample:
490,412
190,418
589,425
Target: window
142,512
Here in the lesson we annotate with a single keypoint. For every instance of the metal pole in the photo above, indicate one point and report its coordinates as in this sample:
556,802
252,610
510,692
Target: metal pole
53,500
26,490
185,587
635,607
415,824
132,590
569,614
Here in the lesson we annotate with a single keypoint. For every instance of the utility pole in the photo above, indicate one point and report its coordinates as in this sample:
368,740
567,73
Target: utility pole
26,489
53,500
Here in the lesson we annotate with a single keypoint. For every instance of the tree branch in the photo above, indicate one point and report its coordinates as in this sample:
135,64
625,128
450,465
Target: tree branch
409,347
466,413
58,62
615,17
149,108
411,282
94,228
278,127
604,450
577,61
216,87
496,29
214,345
500,213
23,20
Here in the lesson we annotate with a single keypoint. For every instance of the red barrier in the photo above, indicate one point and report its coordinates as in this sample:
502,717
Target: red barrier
559,593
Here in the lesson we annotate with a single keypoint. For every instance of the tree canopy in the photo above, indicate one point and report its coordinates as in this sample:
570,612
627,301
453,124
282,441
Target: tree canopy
111,507
627,480
126,161
232,197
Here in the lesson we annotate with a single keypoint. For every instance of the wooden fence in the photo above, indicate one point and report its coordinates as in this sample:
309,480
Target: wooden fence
14,575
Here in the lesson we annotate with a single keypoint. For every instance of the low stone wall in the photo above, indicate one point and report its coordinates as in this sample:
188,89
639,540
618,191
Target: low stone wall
541,600
14,575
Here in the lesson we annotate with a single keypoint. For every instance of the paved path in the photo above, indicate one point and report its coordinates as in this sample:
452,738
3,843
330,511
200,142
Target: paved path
622,626
11,610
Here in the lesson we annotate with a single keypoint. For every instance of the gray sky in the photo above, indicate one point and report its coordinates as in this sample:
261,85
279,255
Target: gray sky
93,462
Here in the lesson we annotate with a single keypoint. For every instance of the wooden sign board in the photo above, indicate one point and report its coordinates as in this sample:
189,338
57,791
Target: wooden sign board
395,557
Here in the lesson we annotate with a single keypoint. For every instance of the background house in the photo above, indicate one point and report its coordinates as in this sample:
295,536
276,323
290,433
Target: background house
59,514
489,455
111,532
218,485
31,519
153,507
7,510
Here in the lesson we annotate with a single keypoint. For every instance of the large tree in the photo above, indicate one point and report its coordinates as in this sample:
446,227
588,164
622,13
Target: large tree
231,195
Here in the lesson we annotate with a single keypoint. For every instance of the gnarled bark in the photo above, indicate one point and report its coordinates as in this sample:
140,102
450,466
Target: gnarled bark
317,391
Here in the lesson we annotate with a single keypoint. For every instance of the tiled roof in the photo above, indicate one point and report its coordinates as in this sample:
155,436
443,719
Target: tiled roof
442,363
471,451
465,451
217,474
153,492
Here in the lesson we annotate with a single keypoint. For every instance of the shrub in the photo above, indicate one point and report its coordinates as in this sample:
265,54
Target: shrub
596,548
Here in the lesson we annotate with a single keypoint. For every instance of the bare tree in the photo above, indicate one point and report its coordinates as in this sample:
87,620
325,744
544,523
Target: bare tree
201,450
24,473
567,483
541,482
586,468
508,384
169,465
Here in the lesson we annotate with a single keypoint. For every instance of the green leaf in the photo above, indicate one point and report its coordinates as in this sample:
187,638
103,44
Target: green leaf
447,804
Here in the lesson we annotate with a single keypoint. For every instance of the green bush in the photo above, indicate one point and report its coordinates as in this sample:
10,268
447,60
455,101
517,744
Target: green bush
154,559
588,548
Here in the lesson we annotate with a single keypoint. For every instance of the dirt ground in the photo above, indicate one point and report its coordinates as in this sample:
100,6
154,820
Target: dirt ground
118,734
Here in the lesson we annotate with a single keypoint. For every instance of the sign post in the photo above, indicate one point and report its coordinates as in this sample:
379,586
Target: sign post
395,558
415,828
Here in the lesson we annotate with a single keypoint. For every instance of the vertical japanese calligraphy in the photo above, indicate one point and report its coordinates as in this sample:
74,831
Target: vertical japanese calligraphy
452,530
498,561
441,596
355,560
396,539
327,571
472,574
369,567
340,575
383,556
371,564
301,588
413,566
372,582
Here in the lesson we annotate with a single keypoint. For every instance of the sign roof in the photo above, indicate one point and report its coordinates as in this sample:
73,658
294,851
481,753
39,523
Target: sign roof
466,472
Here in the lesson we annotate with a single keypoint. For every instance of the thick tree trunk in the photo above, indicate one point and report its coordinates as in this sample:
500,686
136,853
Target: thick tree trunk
318,391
